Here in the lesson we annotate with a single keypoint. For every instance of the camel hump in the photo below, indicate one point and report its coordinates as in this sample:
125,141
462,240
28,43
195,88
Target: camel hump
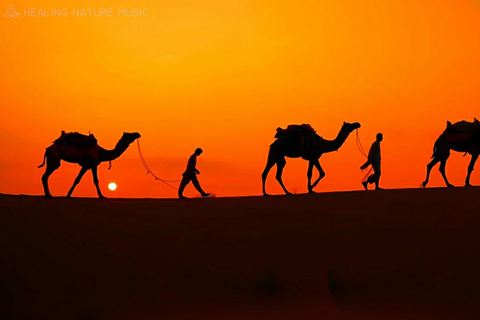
462,131
295,130
464,126
76,139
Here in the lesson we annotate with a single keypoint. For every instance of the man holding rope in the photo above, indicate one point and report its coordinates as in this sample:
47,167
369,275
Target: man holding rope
374,159
190,174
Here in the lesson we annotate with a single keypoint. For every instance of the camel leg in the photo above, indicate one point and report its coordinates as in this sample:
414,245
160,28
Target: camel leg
309,176
51,167
77,181
280,165
317,165
429,168
95,181
443,163
269,166
470,169
273,151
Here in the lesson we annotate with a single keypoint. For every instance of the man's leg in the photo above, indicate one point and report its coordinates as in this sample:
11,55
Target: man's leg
183,184
196,184
372,178
365,184
377,171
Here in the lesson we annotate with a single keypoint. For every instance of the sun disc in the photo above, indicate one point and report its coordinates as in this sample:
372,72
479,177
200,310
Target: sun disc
112,186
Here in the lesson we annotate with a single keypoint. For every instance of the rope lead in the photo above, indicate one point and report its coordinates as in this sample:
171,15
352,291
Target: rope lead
359,144
150,171
362,151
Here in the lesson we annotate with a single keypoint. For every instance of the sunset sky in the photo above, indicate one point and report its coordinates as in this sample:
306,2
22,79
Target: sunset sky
223,75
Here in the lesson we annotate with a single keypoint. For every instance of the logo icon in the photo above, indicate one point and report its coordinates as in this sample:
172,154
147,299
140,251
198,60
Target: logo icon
11,12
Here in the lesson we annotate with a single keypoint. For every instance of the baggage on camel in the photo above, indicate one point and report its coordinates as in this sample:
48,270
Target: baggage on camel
462,130
76,139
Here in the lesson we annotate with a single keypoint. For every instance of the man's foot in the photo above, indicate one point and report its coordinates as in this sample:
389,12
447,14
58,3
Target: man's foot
365,185
182,197
378,188
206,195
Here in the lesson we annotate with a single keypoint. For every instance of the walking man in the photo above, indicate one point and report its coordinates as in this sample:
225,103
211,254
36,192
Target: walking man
190,174
374,159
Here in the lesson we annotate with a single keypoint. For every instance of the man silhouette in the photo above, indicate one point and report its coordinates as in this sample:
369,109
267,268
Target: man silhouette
190,174
374,159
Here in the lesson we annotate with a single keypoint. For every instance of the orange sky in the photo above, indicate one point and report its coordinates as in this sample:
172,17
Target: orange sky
223,75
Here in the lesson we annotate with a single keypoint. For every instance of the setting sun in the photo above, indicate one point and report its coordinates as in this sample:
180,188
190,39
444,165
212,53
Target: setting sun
112,186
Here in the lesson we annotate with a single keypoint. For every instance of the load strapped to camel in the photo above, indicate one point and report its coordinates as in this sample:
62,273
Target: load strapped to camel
296,130
298,137
76,139
462,130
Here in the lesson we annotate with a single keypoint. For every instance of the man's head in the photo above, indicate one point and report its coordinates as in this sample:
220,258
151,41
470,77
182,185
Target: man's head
198,151
379,137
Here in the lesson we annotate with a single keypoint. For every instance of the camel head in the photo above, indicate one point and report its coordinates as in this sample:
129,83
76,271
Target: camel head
350,126
129,137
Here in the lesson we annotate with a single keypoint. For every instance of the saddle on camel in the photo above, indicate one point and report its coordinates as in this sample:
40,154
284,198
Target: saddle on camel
298,135
76,139
461,131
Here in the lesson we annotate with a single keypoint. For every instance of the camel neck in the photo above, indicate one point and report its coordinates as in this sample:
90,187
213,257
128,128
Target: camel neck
109,155
334,145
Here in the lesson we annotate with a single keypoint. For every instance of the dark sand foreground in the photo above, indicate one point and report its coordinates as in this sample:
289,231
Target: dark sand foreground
393,254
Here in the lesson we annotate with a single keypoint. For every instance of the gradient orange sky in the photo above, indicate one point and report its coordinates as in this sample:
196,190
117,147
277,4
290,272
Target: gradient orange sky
223,75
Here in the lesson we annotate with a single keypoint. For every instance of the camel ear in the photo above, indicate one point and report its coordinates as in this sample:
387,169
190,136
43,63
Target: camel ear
449,124
344,122
475,120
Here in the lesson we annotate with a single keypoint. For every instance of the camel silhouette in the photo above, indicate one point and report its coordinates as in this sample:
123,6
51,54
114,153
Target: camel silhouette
84,150
303,142
462,137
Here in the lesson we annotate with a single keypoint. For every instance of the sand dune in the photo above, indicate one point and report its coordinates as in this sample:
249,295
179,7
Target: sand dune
392,254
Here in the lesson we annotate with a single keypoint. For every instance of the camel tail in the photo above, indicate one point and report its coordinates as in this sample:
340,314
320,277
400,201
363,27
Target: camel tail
44,158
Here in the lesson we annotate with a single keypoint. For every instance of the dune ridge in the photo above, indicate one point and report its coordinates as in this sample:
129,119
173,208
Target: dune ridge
391,254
